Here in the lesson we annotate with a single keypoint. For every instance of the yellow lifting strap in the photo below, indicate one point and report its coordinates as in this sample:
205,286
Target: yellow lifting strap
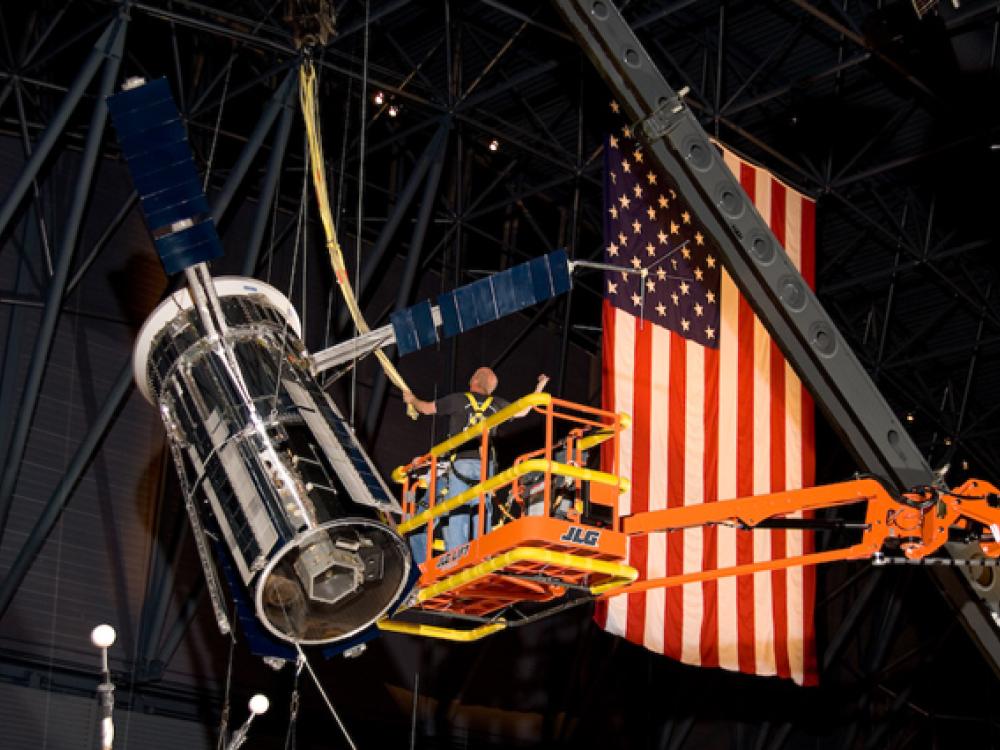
310,113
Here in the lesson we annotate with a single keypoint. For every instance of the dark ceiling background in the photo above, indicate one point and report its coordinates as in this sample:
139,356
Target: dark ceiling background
889,120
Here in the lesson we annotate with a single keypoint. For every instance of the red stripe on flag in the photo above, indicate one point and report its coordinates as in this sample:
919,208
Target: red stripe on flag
779,587
673,622
710,590
744,485
639,545
744,461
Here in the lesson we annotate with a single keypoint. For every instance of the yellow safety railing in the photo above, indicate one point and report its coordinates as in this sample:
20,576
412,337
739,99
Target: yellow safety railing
590,426
620,575
620,572
509,475
436,631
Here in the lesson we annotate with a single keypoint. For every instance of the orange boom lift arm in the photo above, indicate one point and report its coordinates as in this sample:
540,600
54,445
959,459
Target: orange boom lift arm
570,544
913,524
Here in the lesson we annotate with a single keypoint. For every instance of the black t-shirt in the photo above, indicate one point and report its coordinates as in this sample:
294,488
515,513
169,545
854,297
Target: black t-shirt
459,410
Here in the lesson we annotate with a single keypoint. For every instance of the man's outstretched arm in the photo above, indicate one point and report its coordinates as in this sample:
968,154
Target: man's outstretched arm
543,380
424,407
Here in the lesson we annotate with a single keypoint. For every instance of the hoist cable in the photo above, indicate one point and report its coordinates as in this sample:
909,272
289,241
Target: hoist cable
310,113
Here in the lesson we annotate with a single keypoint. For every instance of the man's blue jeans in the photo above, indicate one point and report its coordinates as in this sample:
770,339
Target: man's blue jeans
459,525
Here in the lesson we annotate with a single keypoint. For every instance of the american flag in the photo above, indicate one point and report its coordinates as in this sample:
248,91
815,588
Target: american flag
717,413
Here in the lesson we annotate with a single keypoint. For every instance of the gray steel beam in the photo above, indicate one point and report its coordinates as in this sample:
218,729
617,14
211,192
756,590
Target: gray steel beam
172,640
755,259
61,497
112,53
102,51
103,240
267,193
759,266
410,271
374,256
160,581
274,104
87,448
847,625
574,234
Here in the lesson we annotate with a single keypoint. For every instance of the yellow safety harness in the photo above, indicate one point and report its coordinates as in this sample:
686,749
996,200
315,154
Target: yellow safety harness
478,413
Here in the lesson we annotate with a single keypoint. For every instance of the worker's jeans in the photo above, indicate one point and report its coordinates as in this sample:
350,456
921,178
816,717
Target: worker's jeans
458,526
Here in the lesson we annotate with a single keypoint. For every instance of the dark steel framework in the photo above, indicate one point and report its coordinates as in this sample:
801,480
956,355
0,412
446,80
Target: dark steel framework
888,120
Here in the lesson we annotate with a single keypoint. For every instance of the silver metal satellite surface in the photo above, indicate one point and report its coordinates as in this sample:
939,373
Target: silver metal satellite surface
273,477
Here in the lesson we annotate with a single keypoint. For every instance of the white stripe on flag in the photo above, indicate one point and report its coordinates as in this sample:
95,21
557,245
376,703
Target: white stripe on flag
726,539
659,433
624,341
694,491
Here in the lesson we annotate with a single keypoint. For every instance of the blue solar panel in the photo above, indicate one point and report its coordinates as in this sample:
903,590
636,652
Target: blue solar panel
450,323
559,268
143,146
414,328
171,153
150,184
183,249
154,144
486,300
151,112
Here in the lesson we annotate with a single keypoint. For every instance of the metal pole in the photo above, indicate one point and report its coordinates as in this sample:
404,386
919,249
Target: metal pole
373,258
97,56
274,165
57,287
410,271
60,498
253,144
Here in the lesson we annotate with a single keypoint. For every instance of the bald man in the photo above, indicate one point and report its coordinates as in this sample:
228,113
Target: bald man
464,410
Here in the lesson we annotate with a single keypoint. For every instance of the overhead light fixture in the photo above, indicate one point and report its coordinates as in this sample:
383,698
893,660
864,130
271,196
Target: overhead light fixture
379,98
494,145
910,416
393,110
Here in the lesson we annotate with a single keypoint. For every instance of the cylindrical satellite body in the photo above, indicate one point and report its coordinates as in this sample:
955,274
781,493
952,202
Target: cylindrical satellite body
272,467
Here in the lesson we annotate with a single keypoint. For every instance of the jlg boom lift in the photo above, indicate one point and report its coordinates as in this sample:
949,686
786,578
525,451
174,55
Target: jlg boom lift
569,546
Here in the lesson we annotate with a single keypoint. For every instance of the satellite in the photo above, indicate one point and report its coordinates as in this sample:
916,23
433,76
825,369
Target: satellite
276,486
283,501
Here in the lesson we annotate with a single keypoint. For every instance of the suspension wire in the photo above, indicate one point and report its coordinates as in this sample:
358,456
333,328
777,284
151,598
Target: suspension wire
310,113
326,699
303,303
363,116
218,122
341,184
224,715
413,719
274,225
293,708
300,230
